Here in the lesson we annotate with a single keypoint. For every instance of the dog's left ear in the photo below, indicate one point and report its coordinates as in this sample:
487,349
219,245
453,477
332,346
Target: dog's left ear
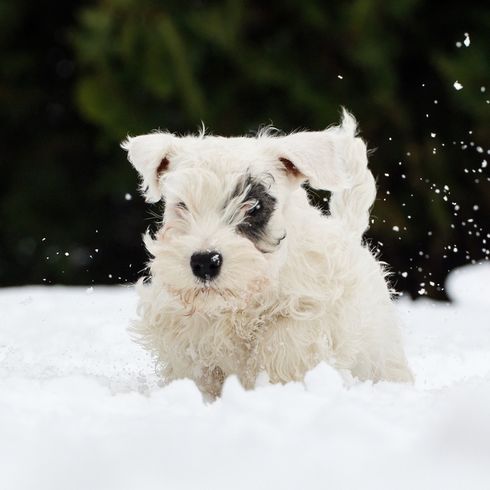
331,159
150,155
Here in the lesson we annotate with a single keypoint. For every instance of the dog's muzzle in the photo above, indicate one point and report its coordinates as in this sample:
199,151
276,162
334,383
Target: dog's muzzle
206,265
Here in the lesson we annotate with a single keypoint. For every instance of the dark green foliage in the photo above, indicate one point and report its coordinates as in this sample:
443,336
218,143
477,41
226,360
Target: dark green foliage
76,80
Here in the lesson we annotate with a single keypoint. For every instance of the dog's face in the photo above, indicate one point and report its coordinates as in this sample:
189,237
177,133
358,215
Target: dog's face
227,203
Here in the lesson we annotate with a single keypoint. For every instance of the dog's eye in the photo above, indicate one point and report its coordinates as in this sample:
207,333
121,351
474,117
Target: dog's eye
181,205
255,208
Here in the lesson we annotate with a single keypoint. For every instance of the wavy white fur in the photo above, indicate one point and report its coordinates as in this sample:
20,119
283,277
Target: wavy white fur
308,290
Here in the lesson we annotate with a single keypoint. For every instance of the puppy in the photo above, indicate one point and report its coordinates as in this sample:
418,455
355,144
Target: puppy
246,276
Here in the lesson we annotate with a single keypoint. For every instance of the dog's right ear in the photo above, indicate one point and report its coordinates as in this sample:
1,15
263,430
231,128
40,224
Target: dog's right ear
150,154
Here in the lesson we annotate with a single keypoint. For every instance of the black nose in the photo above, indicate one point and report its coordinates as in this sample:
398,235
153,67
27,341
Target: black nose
206,265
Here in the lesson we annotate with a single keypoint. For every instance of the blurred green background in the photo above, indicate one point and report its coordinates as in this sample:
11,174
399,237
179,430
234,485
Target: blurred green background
77,77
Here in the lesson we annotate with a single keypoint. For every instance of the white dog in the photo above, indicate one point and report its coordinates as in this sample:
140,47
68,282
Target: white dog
248,277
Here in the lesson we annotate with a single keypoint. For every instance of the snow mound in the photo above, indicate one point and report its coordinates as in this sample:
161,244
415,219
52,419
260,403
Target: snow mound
470,285
81,407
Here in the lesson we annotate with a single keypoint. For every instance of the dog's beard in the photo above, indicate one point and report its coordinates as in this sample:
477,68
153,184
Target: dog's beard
209,297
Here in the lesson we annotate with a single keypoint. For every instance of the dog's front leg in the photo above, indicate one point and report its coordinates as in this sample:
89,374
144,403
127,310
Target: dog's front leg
288,348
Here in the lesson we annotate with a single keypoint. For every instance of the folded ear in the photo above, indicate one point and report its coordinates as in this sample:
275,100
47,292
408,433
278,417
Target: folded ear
150,155
333,159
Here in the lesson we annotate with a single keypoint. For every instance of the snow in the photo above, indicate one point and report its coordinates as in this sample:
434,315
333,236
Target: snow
466,41
81,407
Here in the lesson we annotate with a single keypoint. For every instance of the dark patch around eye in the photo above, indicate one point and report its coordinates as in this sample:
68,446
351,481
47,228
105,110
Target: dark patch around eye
255,223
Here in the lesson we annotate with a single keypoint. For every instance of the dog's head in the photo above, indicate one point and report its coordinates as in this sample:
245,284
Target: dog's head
224,236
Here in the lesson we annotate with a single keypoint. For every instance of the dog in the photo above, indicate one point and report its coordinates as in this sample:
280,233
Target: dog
247,277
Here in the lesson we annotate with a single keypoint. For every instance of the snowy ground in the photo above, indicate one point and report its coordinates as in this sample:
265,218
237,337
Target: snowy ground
80,407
